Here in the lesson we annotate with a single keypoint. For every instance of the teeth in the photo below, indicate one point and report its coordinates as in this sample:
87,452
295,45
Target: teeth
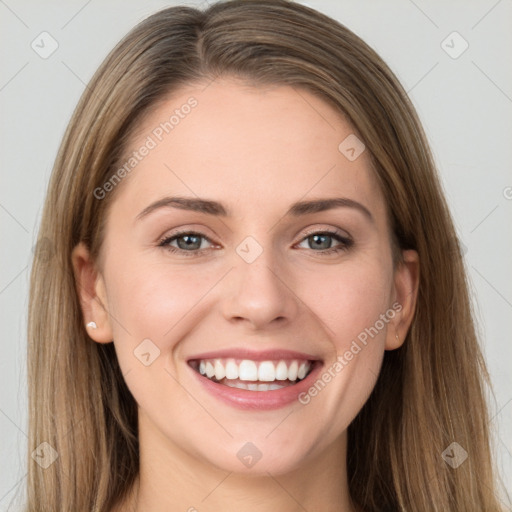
292,371
231,370
220,373
254,372
248,370
267,371
281,371
210,372
302,371
254,387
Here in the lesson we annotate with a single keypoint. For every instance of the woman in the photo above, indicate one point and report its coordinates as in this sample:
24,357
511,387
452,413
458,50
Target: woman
194,342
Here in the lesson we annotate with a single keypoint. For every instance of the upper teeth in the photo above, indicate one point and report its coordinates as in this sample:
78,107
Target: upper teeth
246,369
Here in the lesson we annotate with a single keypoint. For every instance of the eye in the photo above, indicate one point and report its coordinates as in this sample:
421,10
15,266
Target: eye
188,243
323,240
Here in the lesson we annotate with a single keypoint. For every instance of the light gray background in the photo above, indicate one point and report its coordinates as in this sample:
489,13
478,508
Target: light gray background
465,105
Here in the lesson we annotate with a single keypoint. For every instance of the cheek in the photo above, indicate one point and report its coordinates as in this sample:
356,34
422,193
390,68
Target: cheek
152,300
355,306
350,305
153,308
349,299
158,302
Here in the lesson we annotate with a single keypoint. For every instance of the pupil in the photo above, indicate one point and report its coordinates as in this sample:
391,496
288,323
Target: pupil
316,237
191,239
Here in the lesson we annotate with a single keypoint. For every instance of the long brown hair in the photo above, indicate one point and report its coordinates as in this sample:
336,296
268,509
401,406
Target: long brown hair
430,393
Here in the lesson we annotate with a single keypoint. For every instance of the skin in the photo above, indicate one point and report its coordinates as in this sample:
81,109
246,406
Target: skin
257,151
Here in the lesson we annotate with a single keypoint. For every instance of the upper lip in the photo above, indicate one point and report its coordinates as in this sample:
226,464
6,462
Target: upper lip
253,355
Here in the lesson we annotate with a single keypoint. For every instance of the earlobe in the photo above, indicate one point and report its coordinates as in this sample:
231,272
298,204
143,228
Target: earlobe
406,280
91,291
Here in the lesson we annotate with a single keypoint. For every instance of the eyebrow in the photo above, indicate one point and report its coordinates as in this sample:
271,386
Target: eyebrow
210,207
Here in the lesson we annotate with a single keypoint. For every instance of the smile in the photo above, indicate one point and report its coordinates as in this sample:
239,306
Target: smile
254,375
246,379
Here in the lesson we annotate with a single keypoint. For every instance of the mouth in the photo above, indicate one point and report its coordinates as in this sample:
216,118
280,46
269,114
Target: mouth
253,375
251,380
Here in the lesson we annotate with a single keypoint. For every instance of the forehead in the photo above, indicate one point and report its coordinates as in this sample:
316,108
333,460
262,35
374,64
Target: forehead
250,147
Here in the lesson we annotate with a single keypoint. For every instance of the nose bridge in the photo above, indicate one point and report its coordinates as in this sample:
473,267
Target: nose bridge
260,292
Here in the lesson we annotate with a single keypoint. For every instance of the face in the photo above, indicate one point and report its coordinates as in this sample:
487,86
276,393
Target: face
250,318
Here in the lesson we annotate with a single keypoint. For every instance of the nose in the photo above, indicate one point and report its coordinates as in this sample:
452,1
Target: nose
260,294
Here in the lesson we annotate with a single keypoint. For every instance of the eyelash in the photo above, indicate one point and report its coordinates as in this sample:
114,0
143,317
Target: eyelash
345,242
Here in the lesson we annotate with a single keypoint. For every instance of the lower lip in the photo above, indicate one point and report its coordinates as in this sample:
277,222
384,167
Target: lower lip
259,400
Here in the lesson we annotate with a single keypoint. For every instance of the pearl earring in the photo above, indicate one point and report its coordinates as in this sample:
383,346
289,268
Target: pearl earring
92,325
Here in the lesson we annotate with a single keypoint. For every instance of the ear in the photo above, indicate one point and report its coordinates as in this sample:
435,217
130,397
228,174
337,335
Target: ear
406,282
92,294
